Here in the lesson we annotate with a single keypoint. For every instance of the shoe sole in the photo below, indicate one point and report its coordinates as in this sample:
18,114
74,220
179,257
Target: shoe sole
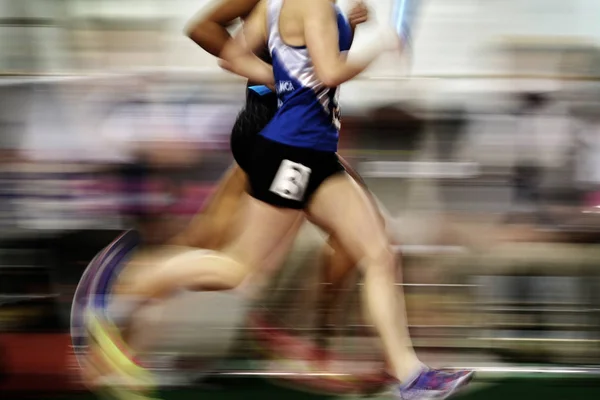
460,384
131,381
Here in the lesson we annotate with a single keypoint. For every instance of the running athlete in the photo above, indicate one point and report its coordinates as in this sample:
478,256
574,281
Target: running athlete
216,224
295,170
213,228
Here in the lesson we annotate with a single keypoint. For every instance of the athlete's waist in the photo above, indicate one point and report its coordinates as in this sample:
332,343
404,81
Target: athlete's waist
257,96
320,141
289,91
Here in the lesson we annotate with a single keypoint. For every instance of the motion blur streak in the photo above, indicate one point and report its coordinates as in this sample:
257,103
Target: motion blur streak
485,154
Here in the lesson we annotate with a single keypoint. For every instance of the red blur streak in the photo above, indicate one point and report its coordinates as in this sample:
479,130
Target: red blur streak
37,363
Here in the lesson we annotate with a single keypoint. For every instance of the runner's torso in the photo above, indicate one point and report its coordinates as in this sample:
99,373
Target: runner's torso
308,114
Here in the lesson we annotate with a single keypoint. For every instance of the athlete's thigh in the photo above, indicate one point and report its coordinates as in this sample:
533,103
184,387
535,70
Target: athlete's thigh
265,229
342,207
267,270
229,188
361,182
282,249
213,225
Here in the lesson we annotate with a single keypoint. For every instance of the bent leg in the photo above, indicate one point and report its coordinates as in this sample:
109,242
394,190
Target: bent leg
195,269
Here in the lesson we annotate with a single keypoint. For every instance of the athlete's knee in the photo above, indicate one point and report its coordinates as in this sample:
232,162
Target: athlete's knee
380,259
226,274
195,270
239,274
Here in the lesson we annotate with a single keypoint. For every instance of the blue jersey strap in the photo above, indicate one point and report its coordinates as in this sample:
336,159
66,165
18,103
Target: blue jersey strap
261,90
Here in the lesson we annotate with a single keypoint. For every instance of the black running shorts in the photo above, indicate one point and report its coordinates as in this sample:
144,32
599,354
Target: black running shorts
288,176
255,115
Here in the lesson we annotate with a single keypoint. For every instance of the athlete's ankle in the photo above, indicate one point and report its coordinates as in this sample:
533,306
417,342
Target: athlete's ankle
408,373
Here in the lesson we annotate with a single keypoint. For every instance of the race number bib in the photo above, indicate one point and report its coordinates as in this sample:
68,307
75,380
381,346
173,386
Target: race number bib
291,180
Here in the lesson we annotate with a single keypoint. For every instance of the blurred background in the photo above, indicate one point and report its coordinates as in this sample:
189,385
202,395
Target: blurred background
484,147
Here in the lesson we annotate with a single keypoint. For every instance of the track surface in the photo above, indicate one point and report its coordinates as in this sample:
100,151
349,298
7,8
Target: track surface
513,389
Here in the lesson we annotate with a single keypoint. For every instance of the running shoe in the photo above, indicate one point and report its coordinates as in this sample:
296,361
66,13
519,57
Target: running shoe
127,375
434,384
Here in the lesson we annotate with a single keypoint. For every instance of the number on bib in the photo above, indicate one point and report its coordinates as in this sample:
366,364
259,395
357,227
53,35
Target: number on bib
291,180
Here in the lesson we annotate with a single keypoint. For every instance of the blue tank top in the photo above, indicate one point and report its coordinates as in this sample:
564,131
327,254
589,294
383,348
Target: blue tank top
308,114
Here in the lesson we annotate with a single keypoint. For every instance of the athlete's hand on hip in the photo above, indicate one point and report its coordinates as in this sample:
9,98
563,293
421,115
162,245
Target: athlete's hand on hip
359,13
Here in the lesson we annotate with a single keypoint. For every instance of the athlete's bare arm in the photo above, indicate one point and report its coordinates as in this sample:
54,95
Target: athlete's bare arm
321,37
239,54
209,31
